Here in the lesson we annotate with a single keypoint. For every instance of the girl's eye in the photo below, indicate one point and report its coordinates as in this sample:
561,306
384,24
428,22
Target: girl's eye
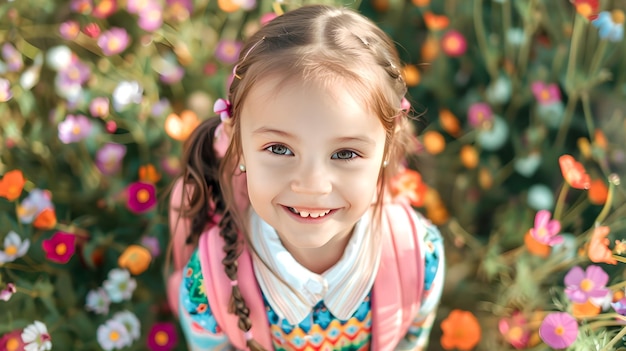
279,149
344,155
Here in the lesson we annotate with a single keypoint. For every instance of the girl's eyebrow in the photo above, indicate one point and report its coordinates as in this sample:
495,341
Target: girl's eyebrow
357,138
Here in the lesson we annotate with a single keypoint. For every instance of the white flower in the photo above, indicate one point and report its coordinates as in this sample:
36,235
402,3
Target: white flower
552,113
36,337
125,93
98,301
499,91
494,138
113,335
130,321
30,77
540,197
14,248
119,285
515,36
59,57
527,166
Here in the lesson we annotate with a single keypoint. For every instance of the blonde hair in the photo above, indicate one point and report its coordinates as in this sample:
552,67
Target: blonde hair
319,44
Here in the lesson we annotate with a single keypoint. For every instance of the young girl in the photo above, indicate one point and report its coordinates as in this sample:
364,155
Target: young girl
290,239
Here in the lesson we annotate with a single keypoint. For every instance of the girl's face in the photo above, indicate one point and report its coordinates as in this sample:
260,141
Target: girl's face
313,156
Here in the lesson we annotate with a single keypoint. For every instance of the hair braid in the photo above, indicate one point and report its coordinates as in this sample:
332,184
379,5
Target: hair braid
237,305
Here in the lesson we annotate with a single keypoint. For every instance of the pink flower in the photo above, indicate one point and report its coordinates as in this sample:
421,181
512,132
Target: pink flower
266,17
60,247
141,197
515,330
227,51
558,330
99,107
150,17
81,6
162,337
546,93
6,294
546,231
69,30
109,158
479,114
5,90
74,129
14,339
114,41
453,43
582,285
12,57
136,6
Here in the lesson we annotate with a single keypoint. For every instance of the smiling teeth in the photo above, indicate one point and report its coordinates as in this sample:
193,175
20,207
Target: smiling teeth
305,214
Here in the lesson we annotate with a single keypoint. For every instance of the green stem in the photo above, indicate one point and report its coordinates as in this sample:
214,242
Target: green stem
560,202
567,120
597,58
573,54
587,112
481,37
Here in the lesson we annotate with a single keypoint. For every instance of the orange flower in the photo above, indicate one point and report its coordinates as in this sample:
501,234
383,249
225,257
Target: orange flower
135,258
430,49
421,3
411,75
438,214
586,309
149,174
227,5
469,156
598,250
449,122
574,173
599,139
180,127
46,219
460,330
435,22
408,184
598,192
12,184
584,147
536,248
434,142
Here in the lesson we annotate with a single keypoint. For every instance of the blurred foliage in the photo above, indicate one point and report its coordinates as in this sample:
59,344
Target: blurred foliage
97,96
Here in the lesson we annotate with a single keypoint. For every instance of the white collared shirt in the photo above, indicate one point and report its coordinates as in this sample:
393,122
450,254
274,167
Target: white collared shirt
343,287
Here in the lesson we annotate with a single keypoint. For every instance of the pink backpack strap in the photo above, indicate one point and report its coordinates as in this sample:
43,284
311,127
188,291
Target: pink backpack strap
399,284
218,289
181,251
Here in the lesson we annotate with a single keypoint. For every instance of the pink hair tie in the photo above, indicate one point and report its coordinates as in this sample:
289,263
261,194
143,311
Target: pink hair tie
223,108
234,282
248,335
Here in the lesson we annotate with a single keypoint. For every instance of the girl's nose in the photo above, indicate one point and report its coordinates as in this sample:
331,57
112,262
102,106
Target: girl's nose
313,179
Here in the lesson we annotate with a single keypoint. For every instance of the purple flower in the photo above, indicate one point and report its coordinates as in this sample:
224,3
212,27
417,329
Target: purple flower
12,57
74,73
152,244
610,25
113,41
546,93
582,285
5,90
558,330
620,306
81,6
546,231
69,30
98,301
479,114
150,17
99,107
74,129
141,197
227,51
172,74
6,294
109,158
160,107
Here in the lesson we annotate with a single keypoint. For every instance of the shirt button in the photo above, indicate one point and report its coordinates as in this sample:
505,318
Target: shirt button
313,287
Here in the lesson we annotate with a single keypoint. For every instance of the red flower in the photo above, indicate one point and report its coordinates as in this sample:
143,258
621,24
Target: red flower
162,337
12,341
60,247
574,173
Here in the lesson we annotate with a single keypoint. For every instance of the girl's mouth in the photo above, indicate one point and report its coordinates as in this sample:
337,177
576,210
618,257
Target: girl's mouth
309,213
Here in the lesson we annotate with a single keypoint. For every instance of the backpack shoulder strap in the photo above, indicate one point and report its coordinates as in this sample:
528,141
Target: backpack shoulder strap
218,291
399,284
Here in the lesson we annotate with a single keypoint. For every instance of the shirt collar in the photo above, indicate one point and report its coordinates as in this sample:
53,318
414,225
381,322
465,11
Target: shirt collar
292,290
